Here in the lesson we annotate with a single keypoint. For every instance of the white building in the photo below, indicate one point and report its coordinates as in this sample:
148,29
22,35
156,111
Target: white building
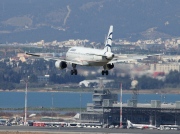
166,68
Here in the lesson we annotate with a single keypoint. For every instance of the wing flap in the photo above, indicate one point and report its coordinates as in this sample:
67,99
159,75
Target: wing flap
122,61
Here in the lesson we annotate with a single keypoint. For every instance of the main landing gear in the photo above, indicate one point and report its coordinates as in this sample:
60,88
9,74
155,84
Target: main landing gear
104,72
74,71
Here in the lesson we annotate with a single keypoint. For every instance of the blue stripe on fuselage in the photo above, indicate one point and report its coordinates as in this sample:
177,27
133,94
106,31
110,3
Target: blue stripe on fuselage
108,45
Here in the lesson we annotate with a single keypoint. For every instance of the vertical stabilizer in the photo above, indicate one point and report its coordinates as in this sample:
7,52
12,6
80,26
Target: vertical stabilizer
129,124
108,42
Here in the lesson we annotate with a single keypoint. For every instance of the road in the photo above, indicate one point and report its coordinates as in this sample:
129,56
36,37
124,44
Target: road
67,130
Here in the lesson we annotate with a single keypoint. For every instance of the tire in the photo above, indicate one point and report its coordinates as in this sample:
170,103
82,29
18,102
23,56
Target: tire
72,72
107,72
75,72
102,72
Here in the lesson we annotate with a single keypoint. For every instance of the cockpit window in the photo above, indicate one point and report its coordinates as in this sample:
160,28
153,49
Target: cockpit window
72,49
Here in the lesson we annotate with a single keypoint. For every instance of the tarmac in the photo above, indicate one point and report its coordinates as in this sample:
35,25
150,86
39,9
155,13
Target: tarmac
71,130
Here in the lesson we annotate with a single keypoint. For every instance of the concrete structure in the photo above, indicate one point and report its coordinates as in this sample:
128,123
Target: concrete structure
106,110
43,79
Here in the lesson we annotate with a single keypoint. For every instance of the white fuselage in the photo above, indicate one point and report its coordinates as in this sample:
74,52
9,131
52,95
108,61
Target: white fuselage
140,126
143,126
87,56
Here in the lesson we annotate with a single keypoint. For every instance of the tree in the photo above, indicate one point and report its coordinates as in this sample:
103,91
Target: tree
173,77
145,82
33,78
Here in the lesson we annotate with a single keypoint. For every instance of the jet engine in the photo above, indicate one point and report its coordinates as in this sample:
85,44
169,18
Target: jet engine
60,64
109,66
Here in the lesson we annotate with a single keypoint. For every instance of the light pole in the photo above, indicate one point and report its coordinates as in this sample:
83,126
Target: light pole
25,101
120,106
52,106
80,107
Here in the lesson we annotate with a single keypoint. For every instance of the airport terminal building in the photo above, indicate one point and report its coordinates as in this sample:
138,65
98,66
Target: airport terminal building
105,109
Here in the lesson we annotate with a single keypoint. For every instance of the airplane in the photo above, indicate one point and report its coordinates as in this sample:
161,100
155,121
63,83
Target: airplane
32,115
139,126
169,127
88,57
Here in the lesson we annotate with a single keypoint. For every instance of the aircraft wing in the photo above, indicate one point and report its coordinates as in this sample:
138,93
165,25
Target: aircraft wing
130,58
122,61
127,59
77,61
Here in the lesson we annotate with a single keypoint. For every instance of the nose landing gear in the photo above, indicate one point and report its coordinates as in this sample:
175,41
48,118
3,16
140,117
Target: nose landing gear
74,71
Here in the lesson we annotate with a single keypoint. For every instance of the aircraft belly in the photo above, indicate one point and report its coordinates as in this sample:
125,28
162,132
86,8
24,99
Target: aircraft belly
97,63
87,60
93,60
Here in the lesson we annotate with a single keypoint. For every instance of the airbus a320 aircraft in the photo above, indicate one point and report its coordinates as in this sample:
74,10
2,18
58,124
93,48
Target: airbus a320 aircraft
87,57
139,126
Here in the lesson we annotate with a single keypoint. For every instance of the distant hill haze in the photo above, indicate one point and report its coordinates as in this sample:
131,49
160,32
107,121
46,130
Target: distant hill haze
32,20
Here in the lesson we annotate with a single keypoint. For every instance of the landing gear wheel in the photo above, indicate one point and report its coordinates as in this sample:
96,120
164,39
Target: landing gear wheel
75,72
72,72
102,72
106,72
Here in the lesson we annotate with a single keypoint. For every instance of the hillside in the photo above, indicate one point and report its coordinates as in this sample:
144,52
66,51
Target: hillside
32,20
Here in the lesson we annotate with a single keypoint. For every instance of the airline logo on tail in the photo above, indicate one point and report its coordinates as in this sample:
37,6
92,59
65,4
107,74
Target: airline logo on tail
108,42
129,124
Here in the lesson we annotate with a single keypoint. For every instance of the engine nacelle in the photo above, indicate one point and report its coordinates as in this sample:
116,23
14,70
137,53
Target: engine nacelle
109,66
60,64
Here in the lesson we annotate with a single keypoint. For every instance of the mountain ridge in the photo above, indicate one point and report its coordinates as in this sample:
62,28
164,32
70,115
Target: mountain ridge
28,21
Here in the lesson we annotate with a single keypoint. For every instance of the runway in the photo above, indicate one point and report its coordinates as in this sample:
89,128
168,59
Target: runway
66,130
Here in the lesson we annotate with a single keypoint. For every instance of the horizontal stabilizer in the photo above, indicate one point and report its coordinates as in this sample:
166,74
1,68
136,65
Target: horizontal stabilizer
33,54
